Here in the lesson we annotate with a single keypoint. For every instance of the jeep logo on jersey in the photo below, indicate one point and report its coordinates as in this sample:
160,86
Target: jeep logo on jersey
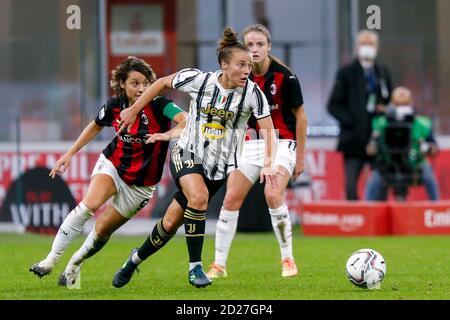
213,131
227,115
144,118
37,202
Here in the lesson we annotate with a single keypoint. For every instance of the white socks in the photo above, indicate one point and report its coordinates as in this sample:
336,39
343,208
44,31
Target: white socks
192,265
281,223
135,259
91,246
225,232
227,225
69,230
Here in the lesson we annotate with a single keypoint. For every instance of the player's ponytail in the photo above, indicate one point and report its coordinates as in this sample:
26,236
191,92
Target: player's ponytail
228,42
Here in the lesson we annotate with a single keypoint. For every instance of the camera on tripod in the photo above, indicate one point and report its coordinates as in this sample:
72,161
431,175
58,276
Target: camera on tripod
394,149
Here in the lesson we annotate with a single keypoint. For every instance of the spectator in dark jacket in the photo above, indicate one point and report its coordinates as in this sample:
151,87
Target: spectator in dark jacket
362,89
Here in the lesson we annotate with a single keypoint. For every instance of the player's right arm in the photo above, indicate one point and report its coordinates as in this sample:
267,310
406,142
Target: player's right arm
128,115
89,133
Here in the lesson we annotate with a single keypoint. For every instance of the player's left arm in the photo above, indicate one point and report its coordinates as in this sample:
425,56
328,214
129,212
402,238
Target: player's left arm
294,99
300,132
176,114
261,111
269,173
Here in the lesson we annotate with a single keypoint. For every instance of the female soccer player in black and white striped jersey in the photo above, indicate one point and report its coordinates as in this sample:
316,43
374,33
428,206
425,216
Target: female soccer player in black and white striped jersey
128,169
208,149
282,90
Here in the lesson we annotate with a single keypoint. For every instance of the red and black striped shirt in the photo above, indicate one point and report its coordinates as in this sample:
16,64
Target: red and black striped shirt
137,163
283,92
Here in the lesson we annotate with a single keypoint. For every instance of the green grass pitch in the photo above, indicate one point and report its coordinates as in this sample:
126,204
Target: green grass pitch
417,268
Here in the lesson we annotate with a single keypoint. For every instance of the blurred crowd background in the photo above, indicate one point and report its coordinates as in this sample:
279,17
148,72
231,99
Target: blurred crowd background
53,79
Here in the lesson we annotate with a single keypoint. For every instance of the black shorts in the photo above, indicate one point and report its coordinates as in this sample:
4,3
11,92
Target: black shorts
183,162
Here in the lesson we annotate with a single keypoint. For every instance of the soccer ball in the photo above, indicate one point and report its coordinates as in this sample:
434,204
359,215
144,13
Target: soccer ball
366,268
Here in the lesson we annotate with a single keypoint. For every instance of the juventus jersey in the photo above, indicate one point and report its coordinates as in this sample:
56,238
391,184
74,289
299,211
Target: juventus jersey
217,118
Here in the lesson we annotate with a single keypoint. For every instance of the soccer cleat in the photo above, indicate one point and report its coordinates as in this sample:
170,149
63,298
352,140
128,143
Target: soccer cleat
198,278
124,274
289,268
216,271
42,268
71,279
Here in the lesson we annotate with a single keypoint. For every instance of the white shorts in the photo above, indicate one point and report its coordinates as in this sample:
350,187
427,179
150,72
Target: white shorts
252,157
129,199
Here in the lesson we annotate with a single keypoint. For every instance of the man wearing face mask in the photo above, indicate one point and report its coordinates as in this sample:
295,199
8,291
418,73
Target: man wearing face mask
421,143
362,89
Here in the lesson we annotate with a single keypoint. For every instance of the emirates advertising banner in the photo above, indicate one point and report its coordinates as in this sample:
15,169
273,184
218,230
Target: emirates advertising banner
32,199
36,202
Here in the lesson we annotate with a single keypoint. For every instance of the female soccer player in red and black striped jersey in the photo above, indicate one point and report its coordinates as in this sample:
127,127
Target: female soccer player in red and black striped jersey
282,90
128,169
221,104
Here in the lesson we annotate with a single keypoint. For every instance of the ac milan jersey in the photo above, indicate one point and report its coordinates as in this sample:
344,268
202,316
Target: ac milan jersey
137,163
217,118
282,90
